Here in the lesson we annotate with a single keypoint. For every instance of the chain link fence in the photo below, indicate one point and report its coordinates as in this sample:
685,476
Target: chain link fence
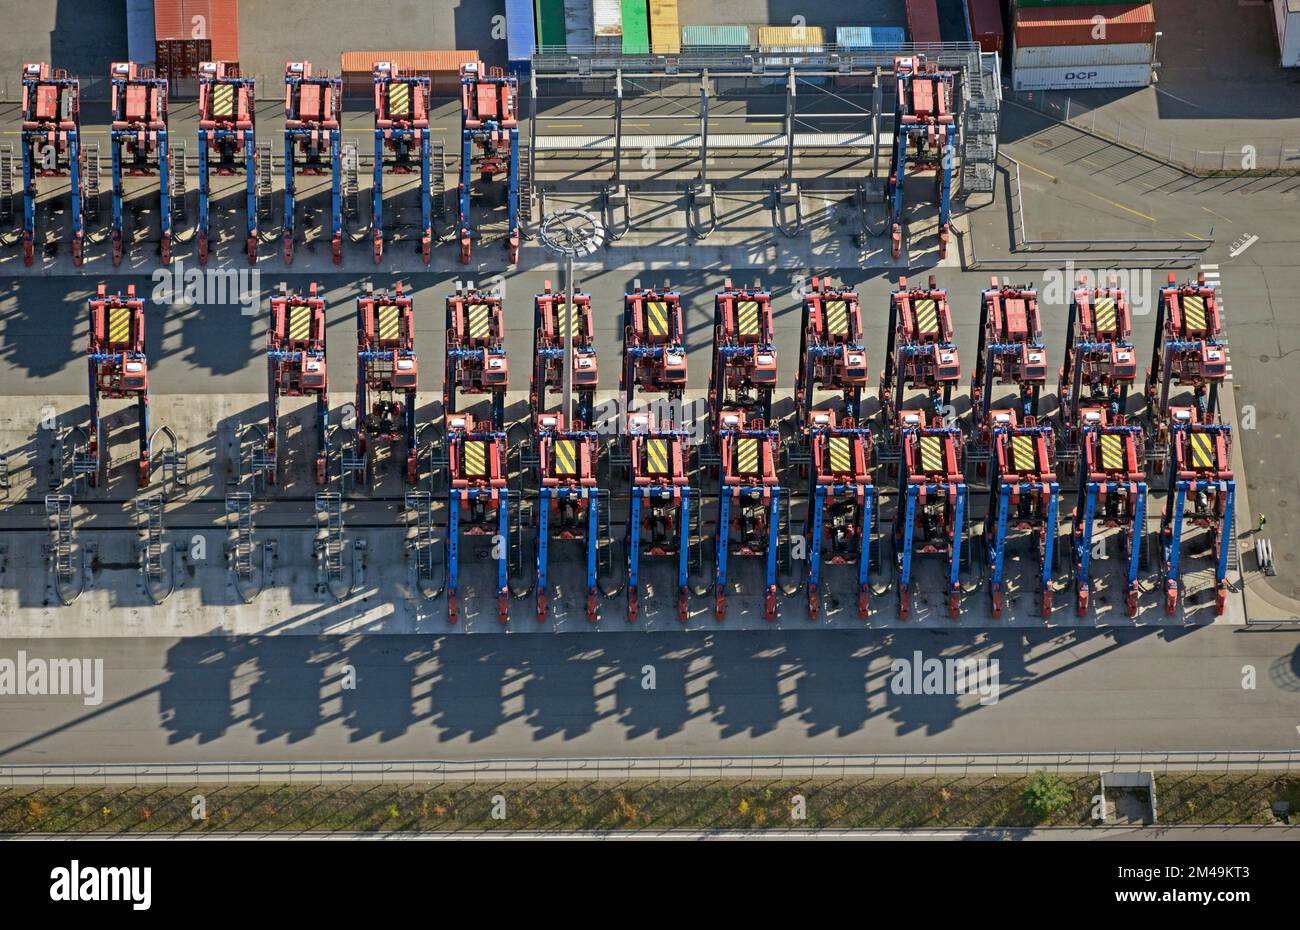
1257,156
766,768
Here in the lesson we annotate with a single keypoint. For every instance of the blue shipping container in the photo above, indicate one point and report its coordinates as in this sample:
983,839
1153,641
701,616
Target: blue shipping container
866,37
720,36
579,34
520,35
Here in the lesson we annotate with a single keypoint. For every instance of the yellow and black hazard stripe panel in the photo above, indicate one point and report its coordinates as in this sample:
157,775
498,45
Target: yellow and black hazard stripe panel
837,317
390,320
656,318
747,455
1112,452
839,451
566,321
223,101
299,322
478,321
747,317
931,454
119,325
656,454
475,458
566,457
1022,454
1202,450
927,316
1104,314
399,98
1194,311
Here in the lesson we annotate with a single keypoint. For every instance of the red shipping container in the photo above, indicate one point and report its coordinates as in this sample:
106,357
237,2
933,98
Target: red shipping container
169,20
923,21
223,29
986,24
1133,24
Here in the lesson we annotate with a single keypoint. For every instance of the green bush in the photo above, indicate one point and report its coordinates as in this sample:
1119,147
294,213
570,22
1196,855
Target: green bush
1045,795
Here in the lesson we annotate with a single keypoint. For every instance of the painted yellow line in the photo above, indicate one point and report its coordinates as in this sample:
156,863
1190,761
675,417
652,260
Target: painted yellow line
1038,170
1194,236
1219,215
1122,207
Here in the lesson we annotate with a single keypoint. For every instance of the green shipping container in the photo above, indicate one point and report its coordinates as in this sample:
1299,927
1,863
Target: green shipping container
636,28
550,23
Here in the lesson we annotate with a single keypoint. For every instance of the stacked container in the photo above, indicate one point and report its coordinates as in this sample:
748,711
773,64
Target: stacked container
986,24
579,34
636,28
852,39
441,67
1286,17
607,25
665,31
550,24
520,36
793,45
1100,45
187,32
923,21
715,36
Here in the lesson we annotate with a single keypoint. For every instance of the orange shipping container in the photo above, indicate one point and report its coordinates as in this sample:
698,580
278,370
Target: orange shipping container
441,67
223,29
182,19
1102,24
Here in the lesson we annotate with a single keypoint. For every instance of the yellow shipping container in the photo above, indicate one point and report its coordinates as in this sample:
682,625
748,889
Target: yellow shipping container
665,33
791,37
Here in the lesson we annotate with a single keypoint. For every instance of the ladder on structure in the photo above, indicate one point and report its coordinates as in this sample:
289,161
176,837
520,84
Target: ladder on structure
149,522
239,517
58,508
91,206
176,154
265,173
979,139
6,181
419,524
438,178
351,186
525,184
329,519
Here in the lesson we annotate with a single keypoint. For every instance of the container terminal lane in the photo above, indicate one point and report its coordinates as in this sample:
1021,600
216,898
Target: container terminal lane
797,409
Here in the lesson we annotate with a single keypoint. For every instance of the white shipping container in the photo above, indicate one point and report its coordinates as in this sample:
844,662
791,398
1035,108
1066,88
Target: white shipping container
1087,77
1286,16
607,23
1071,56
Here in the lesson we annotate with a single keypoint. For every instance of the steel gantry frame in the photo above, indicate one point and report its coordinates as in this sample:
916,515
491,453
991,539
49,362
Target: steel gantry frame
831,351
654,351
313,107
1100,362
227,126
388,368
932,498
749,505
476,458
1113,493
841,505
1189,350
742,376
557,321
476,360
925,118
52,147
663,508
401,127
296,367
1023,495
139,129
1202,471
489,140
920,351
119,368
567,460
1010,350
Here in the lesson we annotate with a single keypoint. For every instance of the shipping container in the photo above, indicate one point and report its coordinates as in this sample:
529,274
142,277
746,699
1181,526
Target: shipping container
665,30
792,37
607,25
441,67
986,25
579,35
182,19
1073,56
1286,17
139,31
954,20
175,59
1082,78
1131,24
550,24
520,37
223,29
861,38
717,36
923,21
636,28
